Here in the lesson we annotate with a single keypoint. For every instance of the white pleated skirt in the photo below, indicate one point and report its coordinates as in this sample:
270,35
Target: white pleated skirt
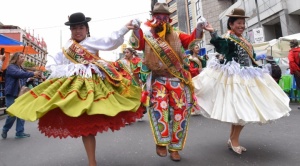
239,95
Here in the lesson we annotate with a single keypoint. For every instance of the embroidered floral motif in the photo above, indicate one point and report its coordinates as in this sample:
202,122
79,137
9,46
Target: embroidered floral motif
178,117
163,104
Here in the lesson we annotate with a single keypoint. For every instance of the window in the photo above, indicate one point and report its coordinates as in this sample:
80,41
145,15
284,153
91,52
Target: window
175,25
190,10
171,2
173,14
197,5
191,25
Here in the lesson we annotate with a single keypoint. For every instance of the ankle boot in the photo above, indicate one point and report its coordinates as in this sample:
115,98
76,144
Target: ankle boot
161,150
174,155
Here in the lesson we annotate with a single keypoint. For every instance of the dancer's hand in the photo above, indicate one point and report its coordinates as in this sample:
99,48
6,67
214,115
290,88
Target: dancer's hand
208,27
201,23
133,24
136,23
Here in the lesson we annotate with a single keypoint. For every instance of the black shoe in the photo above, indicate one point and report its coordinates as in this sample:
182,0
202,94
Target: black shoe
23,135
4,135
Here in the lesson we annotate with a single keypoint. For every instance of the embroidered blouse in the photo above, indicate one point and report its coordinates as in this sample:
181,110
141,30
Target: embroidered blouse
234,48
60,66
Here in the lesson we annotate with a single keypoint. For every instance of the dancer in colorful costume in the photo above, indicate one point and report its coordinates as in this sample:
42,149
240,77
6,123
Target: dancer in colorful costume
193,60
238,91
193,63
84,95
130,66
168,84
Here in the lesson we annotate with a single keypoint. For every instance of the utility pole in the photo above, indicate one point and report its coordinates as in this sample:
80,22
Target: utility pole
60,39
257,12
247,30
153,2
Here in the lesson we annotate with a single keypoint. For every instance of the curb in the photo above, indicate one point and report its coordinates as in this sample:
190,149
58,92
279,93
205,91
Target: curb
3,116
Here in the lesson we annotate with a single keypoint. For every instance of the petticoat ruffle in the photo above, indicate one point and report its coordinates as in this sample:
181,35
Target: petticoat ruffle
239,95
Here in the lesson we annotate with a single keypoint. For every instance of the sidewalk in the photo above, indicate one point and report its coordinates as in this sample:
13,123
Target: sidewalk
2,113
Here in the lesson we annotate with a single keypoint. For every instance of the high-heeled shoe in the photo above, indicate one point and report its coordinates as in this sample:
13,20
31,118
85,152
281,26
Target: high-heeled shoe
229,146
236,149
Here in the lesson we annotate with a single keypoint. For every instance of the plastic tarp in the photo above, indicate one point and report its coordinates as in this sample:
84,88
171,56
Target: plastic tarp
278,48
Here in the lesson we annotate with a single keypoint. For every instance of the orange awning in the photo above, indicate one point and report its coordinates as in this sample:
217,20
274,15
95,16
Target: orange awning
40,68
18,48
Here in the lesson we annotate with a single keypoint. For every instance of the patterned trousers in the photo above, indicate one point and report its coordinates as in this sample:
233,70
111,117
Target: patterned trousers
169,111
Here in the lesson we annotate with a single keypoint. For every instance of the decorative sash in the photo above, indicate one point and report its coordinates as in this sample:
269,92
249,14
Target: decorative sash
195,59
78,54
242,43
127,68
168,56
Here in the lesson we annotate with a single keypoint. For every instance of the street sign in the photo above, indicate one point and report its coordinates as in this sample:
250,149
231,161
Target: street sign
258,34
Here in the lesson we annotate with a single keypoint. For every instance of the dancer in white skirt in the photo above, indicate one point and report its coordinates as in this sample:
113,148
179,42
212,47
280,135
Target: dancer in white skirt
238,91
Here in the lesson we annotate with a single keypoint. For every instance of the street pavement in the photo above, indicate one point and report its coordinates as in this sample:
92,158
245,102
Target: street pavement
274,144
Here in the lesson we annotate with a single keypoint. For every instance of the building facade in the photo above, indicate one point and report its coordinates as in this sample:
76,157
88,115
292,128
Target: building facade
211,10
277,18
186,13
39,45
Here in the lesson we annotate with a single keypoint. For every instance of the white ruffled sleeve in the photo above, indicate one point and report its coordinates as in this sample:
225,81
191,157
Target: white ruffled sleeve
107,43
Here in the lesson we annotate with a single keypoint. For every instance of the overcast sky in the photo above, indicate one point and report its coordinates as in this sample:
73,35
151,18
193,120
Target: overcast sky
46,18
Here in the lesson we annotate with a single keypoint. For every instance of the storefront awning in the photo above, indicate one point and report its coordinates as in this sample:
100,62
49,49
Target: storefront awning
18,48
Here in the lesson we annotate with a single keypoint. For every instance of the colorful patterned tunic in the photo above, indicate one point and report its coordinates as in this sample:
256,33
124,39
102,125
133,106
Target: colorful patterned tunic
169,85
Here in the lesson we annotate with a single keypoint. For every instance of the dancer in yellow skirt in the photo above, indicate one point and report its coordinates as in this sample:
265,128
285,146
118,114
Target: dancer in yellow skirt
84,94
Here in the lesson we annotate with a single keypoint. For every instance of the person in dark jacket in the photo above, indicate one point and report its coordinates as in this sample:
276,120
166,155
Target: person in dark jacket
15,78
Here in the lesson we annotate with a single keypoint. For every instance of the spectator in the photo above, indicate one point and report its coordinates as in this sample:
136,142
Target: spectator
273,68
14,80
294,60
2,57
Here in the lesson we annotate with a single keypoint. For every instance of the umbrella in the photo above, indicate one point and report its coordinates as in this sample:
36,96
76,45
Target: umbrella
19,48
10,49
4,40
11,46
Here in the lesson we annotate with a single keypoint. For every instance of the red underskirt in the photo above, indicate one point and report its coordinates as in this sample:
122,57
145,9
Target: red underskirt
57,124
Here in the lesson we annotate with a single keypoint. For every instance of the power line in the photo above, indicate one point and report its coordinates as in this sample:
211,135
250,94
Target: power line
100,20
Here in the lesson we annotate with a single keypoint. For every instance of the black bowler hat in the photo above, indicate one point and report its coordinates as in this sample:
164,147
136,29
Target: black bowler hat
77,18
